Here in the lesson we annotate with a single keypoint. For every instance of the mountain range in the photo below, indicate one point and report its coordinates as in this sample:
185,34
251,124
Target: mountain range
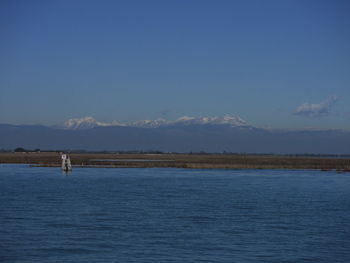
90,122
186,134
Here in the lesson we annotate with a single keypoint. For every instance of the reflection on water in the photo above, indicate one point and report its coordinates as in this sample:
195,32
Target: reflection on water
173,215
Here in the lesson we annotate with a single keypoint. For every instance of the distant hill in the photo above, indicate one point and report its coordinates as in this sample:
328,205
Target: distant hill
176,137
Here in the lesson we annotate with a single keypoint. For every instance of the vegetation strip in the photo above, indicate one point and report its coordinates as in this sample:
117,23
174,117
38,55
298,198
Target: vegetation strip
192,161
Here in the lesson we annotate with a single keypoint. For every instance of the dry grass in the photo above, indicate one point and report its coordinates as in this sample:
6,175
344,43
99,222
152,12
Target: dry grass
181,161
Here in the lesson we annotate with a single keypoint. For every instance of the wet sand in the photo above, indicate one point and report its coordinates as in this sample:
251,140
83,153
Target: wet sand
192,161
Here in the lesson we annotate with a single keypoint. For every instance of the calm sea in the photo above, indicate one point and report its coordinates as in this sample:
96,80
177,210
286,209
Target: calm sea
173,215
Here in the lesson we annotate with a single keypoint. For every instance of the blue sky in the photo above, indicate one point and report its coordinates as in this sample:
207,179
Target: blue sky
279,64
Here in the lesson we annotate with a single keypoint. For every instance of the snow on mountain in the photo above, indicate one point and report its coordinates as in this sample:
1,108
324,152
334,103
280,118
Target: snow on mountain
87,123
90,122
149,123
224,120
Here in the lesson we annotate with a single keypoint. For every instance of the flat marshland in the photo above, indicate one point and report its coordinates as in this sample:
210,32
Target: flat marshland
192,161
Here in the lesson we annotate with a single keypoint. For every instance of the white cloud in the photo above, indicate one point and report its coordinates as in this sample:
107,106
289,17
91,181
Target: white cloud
316,110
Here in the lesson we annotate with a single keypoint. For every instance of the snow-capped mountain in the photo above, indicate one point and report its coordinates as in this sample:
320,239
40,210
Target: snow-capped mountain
90,122
87,123
149,123
224,120
186,134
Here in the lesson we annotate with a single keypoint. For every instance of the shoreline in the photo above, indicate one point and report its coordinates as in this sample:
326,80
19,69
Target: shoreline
187,161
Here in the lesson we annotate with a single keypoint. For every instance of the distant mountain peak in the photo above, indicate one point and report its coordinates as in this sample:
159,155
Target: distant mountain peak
149,123
89,122
185,118
224,120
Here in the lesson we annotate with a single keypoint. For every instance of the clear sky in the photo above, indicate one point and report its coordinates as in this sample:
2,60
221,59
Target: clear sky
279,64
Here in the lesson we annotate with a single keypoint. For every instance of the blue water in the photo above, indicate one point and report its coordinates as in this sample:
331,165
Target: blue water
173,215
